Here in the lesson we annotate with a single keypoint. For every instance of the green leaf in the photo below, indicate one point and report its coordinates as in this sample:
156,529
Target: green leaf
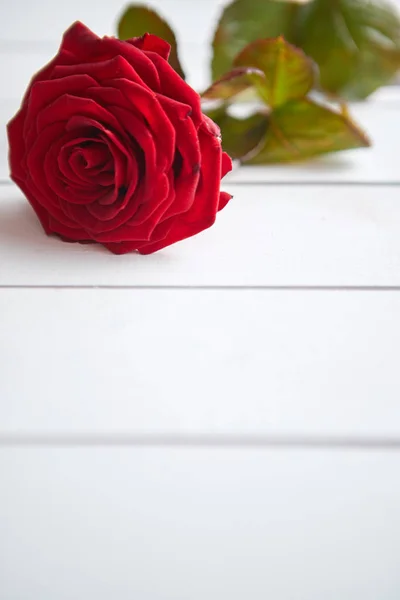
377,69
289,73
240,137
234,82
356,44
245,21
303,129
139,19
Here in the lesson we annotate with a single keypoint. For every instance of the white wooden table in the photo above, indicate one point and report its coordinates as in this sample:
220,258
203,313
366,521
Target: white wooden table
218,421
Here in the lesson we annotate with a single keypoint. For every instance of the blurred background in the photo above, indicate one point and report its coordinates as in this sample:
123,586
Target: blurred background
31,31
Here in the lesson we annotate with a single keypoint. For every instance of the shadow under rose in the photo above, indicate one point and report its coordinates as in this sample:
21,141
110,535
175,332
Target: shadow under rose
19,226
22,233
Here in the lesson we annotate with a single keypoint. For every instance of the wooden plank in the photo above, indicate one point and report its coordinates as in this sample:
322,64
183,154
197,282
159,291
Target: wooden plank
199,362
162,523
267,236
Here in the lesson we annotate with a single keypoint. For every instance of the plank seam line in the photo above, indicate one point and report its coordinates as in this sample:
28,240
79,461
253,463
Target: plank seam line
201,441
184,287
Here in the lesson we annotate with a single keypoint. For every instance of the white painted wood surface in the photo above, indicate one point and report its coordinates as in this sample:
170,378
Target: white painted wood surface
189,362
217,524
269,235
143,431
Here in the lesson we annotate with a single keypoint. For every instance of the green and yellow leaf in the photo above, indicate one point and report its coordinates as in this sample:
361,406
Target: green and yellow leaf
289,73
303,129
234,82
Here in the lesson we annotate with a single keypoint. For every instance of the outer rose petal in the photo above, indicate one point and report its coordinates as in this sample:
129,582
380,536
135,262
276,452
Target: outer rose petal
62,58
224,198
17,148
226,165
211,127
16,124
152,43
77,38
44,93
173,86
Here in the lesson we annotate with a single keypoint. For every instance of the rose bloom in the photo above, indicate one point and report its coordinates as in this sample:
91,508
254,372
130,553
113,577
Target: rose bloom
110,145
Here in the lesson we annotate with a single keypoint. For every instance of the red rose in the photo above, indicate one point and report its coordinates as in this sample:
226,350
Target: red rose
110,146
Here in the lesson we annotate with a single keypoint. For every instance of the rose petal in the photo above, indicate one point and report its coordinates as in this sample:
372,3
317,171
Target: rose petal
158,197
78,39
226,165
44,93
223,200
118,150
211,127
141,135
69,192
152,43
173,86
16,144
63,149
106,215
95,155
72,189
